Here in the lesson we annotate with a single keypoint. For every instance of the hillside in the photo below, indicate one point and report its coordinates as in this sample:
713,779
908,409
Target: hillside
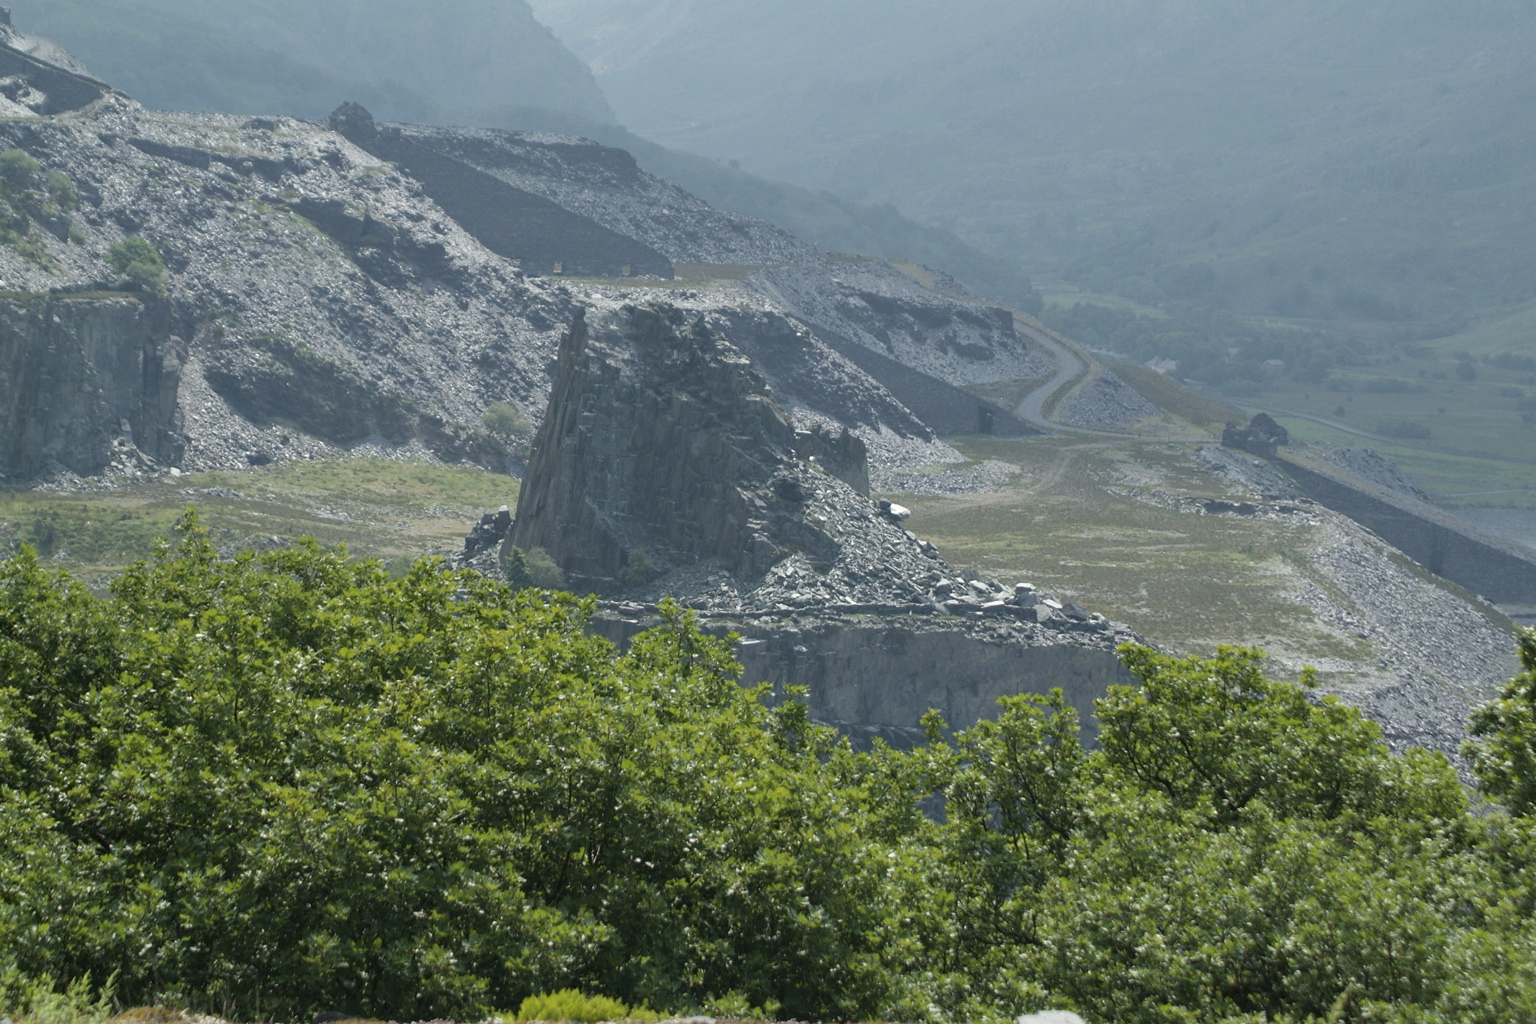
1367,167
463,63
396,294
442,62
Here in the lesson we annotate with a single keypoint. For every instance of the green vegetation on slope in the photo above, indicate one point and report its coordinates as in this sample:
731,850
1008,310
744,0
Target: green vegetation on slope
292,779
29,198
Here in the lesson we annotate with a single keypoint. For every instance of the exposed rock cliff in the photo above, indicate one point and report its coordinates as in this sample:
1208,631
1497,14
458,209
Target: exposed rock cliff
91,382
663,448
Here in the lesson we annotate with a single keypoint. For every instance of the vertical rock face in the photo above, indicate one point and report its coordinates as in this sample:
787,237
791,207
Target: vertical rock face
92,381
661,437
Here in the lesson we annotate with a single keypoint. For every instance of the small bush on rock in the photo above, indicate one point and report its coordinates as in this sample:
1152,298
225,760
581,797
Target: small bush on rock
505,419
140,263
28,197
638,568
544,571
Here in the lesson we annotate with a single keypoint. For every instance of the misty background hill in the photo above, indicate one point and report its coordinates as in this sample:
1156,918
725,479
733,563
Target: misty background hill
449,61
1366,166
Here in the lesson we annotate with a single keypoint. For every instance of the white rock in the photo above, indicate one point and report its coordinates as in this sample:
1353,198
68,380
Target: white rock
1050,1017
900,511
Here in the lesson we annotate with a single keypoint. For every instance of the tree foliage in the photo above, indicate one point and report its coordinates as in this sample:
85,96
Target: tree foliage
291,781
1504,748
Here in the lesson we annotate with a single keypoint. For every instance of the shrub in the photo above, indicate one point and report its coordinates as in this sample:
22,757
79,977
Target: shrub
291,778
24,200
28,1001
140,263
514,566
524,569
505,419
1503,748
18,171
62,191
543,570
569,1004
638,568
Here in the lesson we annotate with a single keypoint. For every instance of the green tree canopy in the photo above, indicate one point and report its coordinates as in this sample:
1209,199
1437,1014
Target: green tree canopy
291,781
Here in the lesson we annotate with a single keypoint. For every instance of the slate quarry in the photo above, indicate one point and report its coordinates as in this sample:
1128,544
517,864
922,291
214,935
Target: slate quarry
665,467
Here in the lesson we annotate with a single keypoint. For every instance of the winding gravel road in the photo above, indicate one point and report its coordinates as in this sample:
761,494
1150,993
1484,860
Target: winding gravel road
1069,366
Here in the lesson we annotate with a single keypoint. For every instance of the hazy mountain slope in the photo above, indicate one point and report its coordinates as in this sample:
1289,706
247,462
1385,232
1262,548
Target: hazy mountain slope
465,62
1355,161
834,223
441,61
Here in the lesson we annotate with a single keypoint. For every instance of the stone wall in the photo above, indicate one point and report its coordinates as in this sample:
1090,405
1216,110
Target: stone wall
85,376
939,404
1482,564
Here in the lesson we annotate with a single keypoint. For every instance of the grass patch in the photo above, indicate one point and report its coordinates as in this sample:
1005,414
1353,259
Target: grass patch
1171,398
377,507
1513,330
1106,524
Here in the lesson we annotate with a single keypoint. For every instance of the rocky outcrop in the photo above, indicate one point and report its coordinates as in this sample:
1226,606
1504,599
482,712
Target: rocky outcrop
664,467
1262,436
36,77
661,441
91,381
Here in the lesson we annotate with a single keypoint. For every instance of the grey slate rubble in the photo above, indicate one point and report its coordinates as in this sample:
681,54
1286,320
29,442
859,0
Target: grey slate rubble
607,186
1372,467
1105,403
